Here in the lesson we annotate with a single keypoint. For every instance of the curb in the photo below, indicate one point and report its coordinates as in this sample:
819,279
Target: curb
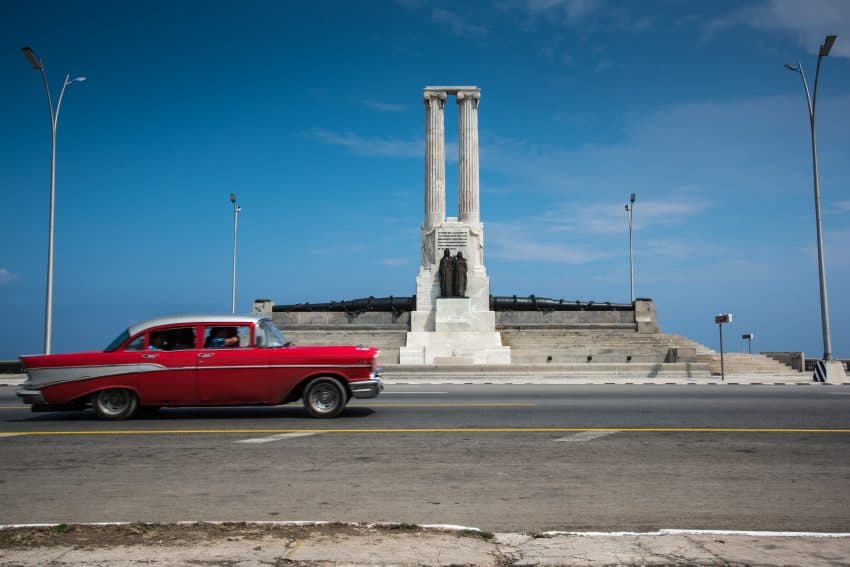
440,528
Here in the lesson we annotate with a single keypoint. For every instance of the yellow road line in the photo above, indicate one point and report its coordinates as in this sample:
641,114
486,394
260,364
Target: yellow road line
406,405
437,430
454,405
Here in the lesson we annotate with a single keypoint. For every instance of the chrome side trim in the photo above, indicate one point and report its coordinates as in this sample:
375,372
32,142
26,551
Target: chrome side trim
45,376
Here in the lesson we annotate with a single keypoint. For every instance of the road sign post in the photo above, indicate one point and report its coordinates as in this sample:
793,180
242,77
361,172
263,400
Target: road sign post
720,319
749,338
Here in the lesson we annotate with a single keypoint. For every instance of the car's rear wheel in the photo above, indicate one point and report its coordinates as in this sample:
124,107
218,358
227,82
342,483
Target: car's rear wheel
116,403
324,397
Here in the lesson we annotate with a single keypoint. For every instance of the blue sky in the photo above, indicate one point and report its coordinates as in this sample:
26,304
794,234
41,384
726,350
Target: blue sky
312,114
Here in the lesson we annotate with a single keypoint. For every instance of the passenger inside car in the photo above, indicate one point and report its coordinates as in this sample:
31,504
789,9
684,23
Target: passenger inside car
222,337
158,342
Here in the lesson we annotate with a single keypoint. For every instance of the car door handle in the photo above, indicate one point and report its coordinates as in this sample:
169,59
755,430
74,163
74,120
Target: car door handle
150,355
205,354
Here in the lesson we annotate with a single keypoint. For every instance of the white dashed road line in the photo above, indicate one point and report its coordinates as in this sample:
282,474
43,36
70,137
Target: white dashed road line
585,436
272,438
409,393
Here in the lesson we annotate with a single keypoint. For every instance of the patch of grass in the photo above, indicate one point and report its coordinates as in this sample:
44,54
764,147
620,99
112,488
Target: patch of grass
483,534
404,526
62,528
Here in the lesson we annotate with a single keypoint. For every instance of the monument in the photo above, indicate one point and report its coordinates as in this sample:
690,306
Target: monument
452,322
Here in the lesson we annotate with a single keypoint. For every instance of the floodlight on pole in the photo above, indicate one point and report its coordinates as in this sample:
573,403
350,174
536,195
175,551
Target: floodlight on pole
811,102
54,121
236,210
630,209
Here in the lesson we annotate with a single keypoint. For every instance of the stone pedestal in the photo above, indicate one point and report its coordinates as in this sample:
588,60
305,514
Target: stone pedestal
460,336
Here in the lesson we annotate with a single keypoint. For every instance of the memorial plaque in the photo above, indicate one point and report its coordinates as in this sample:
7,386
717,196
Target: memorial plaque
452,239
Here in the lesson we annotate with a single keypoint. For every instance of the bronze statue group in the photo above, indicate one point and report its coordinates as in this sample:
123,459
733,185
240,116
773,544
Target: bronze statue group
452,273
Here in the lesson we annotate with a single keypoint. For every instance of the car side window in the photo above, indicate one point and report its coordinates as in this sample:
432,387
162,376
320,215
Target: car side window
175,338
136,344
229,336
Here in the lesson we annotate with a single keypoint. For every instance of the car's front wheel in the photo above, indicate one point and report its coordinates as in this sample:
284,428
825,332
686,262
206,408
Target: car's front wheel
115,404
324,397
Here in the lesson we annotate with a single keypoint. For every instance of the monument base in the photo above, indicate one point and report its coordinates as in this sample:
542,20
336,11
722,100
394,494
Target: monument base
461,336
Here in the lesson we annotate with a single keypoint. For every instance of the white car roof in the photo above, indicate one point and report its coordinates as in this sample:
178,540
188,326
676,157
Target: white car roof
186,319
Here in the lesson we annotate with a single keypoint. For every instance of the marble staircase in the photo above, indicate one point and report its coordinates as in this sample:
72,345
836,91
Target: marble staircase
578,350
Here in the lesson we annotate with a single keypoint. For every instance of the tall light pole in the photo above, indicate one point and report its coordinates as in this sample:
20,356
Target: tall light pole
54,120
630,207
236,210
811,102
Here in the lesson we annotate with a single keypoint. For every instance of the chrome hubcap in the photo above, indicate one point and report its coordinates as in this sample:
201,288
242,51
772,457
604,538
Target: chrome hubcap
324,398
114,401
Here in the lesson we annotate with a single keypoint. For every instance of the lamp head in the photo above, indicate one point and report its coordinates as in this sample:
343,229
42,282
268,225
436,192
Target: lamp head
77,80
233,198
791,67
28,53
632,197
826,46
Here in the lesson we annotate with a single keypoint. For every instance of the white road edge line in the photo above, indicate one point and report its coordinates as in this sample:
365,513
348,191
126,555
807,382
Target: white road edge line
585,436
10,434
673,532
409,393
278,437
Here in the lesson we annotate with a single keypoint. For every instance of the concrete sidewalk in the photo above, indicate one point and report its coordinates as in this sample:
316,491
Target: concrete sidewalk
530,377
312,543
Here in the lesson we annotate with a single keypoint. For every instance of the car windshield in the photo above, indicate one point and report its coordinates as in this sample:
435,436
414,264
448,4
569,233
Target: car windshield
118,341
268,335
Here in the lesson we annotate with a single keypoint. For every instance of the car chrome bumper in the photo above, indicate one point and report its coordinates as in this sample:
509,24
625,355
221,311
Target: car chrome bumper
367,388
30,396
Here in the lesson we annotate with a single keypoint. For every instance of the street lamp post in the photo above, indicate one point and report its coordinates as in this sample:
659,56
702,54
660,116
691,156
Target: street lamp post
236,209
54,120
811,103
630,207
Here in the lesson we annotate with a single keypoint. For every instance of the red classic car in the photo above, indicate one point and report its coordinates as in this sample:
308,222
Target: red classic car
206,360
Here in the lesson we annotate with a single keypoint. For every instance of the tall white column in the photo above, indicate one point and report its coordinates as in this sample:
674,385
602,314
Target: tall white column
467,163
435,160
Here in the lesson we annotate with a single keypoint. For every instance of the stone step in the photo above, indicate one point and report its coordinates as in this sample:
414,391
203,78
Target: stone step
552,346
744,363
525,372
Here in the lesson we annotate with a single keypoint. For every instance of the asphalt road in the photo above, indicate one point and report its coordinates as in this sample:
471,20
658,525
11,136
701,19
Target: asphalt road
504,458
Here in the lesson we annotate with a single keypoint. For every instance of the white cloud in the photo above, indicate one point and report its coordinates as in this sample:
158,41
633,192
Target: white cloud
575,11
611,217
370,146
588,14
732,148
809,22
843,205
6,276
378,145
518,241
395,261
603,66
457,24
641,25
383,106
